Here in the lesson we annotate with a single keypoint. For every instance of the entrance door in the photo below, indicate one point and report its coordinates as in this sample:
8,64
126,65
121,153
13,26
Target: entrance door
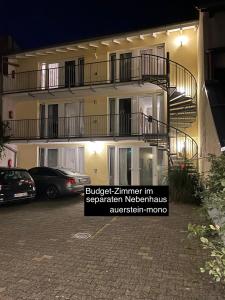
124,166
146,166
125,116
53,120
70,74
125,66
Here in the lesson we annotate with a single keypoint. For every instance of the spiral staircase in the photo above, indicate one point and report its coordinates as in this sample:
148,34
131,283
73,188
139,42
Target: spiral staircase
181,88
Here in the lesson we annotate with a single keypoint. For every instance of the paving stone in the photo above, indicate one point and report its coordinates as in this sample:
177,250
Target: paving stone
125,258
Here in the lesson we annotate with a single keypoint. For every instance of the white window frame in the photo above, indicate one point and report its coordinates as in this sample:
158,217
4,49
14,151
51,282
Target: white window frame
135,163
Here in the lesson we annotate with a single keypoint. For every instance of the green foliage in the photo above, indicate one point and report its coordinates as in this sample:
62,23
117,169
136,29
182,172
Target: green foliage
210,239
184,185
213,196
3,138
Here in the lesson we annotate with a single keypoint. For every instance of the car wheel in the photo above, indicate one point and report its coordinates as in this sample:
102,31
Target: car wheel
51,192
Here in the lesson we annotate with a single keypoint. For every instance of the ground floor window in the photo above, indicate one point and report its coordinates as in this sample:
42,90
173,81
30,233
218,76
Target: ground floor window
136,165
69,158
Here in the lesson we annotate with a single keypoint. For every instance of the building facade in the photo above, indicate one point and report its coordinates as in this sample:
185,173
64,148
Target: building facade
121,108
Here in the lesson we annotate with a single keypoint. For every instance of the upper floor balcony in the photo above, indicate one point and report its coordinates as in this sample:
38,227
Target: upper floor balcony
80,75
139,72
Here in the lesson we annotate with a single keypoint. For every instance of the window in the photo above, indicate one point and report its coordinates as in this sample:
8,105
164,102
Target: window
65,158
42,172
41,157
43,75
49,75
53,81
10,175
52,158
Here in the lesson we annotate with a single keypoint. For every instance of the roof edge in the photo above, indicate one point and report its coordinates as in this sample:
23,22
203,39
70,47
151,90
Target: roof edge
193,22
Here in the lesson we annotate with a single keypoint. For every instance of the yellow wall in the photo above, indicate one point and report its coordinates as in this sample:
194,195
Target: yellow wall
186,55
27,156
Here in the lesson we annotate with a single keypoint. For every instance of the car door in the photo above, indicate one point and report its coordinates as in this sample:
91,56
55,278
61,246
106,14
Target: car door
43,177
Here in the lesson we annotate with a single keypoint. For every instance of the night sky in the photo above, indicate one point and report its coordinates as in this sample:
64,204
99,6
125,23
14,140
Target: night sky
41,23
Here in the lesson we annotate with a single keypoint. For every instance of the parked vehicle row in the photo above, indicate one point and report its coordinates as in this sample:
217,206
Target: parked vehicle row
21,184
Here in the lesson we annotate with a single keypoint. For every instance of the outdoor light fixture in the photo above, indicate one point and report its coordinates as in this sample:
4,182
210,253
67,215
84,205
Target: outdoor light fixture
95,147
181,40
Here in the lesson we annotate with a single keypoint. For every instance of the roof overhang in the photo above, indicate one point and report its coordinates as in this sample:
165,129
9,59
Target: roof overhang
105,41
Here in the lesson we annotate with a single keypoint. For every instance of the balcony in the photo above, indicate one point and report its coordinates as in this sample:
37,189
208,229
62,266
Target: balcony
92,127
114,127
140,69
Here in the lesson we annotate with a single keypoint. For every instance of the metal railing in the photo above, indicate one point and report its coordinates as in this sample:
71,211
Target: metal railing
146,67
91,127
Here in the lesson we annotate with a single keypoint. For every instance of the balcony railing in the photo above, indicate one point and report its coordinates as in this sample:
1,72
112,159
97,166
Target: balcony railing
147,67
112,126
91,126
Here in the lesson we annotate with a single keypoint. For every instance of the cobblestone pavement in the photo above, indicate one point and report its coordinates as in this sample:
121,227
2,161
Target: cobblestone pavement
125,257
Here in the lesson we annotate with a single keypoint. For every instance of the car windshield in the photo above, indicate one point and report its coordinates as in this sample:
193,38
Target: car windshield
67,172
13,175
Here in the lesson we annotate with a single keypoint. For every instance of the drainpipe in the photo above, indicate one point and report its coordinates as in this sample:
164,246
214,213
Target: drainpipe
168,98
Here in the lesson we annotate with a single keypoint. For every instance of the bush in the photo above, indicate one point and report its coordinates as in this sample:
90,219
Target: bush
184,185
213,198
210,240
213,195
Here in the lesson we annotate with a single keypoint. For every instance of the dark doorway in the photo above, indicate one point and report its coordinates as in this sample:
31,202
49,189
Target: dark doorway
70,73
125,66
125,116
81,71
53,121
42,121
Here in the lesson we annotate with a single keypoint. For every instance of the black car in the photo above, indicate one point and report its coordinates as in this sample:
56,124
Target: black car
16,184
55,182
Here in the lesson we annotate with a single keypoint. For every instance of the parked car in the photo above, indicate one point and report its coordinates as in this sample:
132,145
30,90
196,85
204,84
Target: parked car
16,184
55,182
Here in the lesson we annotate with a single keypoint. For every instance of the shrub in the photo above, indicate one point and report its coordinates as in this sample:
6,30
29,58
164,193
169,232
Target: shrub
210,240
184,185
213,197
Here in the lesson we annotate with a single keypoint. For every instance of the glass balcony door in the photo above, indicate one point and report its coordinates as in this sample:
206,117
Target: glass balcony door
74,123
136,165
125,116
53,121
125,66
124,166
146,166
70,73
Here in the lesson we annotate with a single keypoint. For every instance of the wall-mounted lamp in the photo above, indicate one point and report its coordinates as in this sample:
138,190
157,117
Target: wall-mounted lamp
95,147
181,40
